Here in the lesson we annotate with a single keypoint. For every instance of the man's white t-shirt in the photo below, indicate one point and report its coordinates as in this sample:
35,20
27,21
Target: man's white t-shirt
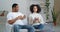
13,15
37,15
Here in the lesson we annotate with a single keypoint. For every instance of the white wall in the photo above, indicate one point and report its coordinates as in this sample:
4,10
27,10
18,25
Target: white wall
5,5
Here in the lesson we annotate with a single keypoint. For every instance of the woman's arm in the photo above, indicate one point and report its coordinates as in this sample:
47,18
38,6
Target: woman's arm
42,20
30,20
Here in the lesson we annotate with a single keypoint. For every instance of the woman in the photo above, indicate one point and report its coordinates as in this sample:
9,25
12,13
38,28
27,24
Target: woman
35,18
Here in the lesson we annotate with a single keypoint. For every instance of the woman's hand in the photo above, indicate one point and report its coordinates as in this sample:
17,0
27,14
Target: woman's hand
36,20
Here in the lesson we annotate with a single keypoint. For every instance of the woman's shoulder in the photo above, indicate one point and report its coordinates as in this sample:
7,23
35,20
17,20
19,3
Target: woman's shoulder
30,15
40,15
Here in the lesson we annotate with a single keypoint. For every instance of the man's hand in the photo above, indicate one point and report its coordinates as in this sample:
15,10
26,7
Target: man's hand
24,16
21,17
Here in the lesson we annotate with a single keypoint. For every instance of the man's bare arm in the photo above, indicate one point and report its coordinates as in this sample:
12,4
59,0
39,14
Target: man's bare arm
14,20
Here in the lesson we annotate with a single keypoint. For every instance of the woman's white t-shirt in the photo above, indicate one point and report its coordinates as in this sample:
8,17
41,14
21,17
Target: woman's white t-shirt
35,15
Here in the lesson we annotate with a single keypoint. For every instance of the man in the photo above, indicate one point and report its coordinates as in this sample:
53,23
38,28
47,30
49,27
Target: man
15,18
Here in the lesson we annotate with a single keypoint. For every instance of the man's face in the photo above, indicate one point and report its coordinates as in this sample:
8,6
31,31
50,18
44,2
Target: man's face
16,8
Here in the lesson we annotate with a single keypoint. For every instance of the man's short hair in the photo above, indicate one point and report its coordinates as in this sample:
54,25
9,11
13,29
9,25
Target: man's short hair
14,5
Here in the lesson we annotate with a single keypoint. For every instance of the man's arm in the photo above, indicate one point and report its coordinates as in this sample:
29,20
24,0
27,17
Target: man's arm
14,20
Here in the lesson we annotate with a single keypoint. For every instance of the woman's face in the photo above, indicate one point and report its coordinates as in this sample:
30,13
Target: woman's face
35,8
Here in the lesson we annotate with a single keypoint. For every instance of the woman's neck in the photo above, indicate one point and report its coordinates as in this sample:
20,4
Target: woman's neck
34,12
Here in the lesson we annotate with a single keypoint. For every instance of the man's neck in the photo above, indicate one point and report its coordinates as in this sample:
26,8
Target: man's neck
14,11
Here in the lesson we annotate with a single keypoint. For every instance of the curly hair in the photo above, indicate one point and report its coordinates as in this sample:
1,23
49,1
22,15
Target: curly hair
38,7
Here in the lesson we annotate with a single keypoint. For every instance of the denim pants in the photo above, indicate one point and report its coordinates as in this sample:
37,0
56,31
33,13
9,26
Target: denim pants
17,27
41,26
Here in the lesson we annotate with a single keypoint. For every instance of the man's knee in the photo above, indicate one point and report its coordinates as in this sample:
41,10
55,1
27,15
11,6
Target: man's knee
15,26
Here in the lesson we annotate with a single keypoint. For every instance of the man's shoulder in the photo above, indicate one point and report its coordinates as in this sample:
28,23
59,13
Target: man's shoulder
9,13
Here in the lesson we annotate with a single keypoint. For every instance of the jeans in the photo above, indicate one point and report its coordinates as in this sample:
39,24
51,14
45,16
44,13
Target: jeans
41,26
44,27
17,27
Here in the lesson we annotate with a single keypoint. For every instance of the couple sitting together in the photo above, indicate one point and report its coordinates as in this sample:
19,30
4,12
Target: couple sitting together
35,19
